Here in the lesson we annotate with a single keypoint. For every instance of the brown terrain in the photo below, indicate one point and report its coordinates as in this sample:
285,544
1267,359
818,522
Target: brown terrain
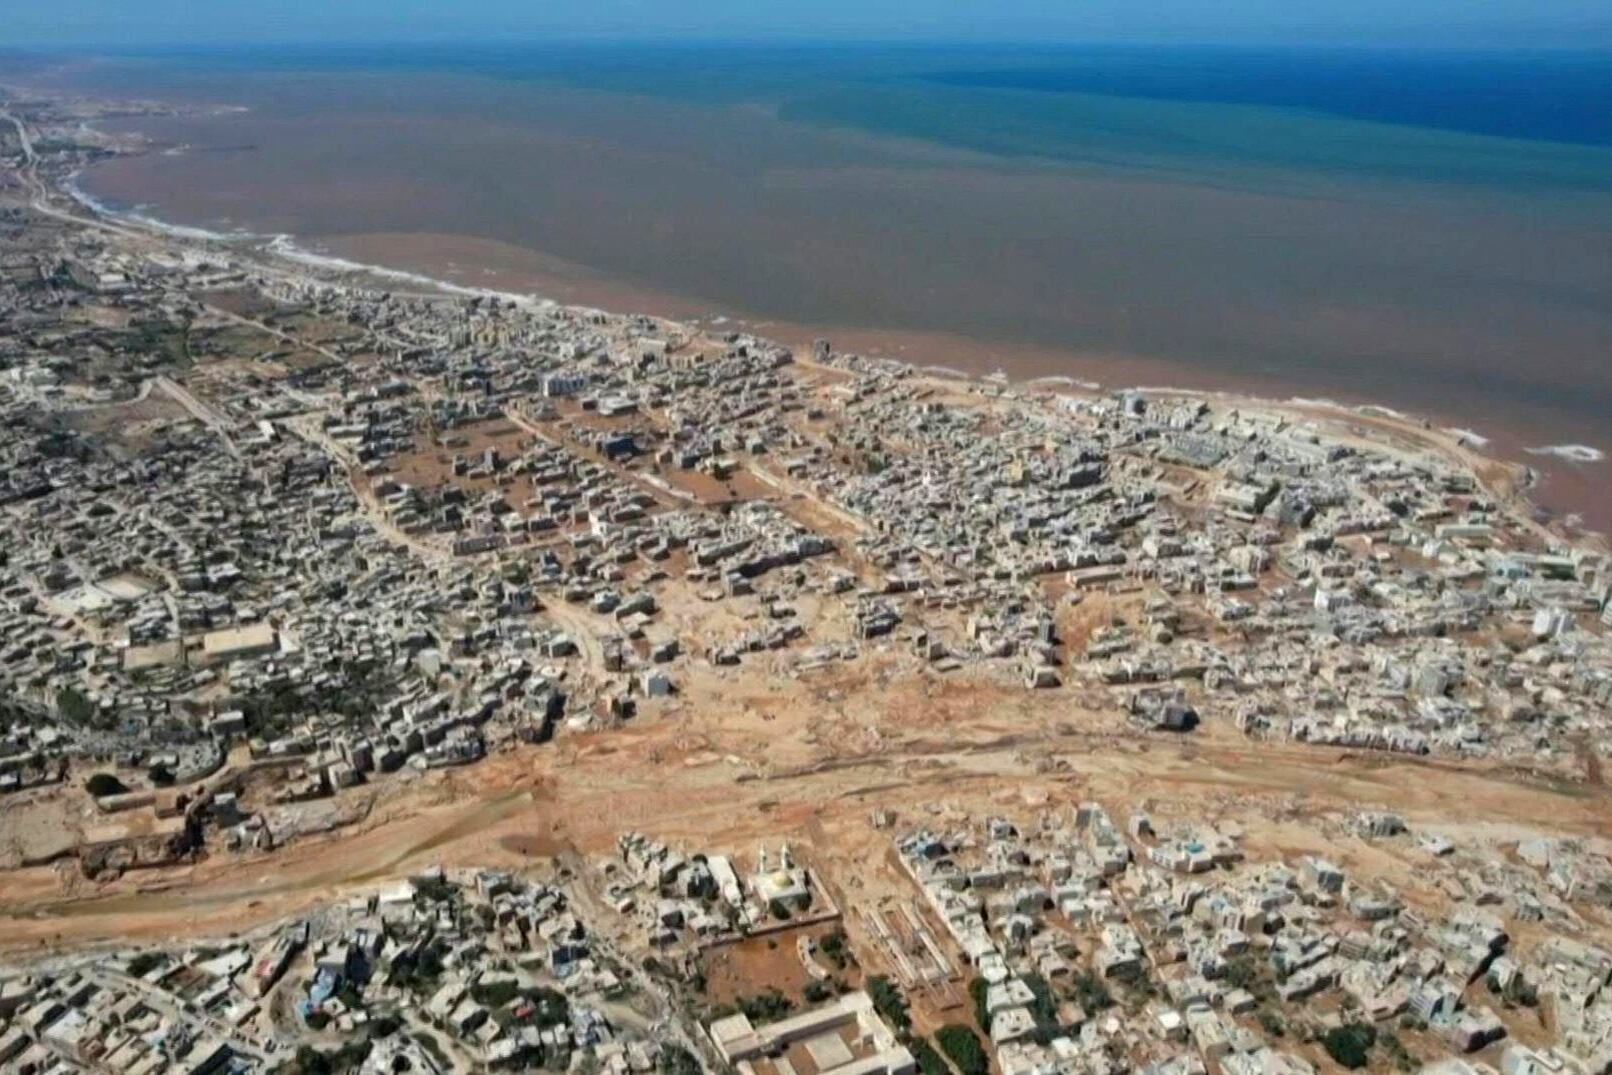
746,757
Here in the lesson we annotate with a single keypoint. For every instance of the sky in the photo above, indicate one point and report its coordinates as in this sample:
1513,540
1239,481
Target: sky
144,23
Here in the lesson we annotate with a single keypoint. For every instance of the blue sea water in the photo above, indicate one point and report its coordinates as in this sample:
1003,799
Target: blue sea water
1554,96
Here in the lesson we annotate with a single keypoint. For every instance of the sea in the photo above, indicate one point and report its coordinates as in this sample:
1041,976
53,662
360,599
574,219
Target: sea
1429,231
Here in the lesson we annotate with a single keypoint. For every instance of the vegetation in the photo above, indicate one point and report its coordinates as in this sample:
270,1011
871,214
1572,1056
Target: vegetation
104,784
74,706
779,910
1044,1008
963,1046
676,1060
977,991
420,973
161,776
890,1004
834,949
495,994
929,1061
145,963
429,1043
1091,994
816,992
310,1061
1350,1044
1396,1051
766,1007
1242,973
433,890
1272,1024
384,1026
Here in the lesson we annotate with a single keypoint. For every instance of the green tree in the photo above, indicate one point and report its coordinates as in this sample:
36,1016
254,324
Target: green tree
1091,994
101,785
834,949
766,1007
929,1061
889,1003
74,706
1044,1008
963,1046
1350,1044
676,1060
977,991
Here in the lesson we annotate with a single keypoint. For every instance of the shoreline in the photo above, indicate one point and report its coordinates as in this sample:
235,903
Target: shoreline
1562,483
1551,477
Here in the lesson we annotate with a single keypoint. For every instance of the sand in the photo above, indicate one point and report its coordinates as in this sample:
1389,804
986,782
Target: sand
746,757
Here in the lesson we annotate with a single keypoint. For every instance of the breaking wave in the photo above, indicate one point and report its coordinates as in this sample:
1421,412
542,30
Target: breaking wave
1573,453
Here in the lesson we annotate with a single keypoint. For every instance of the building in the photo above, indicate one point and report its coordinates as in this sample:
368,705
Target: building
843,1037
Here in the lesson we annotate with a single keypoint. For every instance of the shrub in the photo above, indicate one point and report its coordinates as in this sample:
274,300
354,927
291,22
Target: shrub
817,991
963,1046
161,776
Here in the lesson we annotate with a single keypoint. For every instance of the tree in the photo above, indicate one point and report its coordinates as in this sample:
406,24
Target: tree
963,1046
890,1004
1044,1008
1350,1044
765,1007
1091,994
495,994
73,706
978,988
161,776
676,1060
144,964
101,785
834,950
929,1061
1241,973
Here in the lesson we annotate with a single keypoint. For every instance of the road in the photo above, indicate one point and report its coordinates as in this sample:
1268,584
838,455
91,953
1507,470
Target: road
202,412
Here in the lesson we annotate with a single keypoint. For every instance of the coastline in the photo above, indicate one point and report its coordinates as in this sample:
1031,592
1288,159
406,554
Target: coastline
1569,482
1559,479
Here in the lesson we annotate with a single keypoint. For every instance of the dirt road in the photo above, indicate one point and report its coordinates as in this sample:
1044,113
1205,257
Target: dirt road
724,776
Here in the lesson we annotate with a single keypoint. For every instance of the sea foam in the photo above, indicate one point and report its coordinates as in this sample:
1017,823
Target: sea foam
1573,453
